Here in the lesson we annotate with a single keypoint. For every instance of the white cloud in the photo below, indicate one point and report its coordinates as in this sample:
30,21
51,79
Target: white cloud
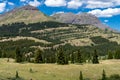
60,12
22,0
2,6
55,3
35,3
10,3
74,4
106,12
106,21
98,4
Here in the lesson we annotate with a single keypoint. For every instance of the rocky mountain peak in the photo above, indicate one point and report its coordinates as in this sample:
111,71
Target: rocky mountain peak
26,14
29,7
82,18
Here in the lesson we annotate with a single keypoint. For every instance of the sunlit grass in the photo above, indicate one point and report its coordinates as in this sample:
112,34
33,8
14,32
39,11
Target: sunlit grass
57,72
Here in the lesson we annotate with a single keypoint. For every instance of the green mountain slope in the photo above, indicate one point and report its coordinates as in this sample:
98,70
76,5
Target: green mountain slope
50,34
30,28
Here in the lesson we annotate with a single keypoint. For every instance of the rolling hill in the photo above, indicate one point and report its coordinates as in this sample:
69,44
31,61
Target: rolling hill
30,28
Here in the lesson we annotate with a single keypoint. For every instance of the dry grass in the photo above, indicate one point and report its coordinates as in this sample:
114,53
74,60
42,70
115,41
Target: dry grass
57,72
29,38
80,42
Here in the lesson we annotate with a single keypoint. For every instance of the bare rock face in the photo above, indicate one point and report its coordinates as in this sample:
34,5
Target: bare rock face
83,18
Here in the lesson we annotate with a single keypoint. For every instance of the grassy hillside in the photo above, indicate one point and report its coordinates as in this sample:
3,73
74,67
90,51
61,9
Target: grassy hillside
26,14
57,72
51,34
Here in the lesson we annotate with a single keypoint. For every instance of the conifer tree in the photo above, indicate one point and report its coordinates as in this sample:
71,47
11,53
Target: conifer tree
117,54
61,58
18,55
110,55
95,58
72,58
17,75
104,75
38,56
79,57
81,76
0,53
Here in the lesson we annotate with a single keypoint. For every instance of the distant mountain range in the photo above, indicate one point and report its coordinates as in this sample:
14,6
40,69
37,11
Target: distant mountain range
30,14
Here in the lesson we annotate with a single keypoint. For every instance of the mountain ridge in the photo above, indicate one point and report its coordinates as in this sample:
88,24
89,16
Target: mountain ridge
26,14
82,18
31,14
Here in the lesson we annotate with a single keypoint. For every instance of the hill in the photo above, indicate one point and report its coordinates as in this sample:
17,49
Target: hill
44,32
26,14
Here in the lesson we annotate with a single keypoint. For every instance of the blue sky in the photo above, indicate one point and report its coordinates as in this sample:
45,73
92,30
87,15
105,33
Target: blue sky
108,11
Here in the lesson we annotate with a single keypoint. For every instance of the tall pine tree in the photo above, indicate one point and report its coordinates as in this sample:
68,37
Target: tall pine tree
79,57
61,58
81,76
38,56
110,55
72,58
95,57
0,53
117,54
18,55
104,75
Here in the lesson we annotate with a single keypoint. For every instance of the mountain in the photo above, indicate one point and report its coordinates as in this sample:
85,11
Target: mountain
82,18
30,14
48,32
27,14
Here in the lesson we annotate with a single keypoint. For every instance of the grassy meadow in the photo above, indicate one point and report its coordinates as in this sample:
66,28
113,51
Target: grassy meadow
57,72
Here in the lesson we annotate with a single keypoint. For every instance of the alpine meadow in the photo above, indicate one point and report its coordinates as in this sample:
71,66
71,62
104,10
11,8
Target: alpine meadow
65,45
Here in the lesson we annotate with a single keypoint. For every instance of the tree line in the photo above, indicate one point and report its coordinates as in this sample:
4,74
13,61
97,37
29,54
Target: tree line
60,57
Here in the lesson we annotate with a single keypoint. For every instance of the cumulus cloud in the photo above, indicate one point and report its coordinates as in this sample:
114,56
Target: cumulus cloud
98,4
74,4
22,0
60,12
55,3
101,3
106,21
2,6
35,3
106,12
10,3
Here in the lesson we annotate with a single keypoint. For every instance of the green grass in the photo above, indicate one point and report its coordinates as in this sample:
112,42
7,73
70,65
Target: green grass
57,72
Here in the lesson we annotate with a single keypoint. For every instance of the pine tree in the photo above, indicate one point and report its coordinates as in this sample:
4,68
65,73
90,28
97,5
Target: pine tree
4,55
117,54
18,55
61,58
81,76
72,58
79,57
38,56
110,55
95,58
17,75
0,53
104,75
